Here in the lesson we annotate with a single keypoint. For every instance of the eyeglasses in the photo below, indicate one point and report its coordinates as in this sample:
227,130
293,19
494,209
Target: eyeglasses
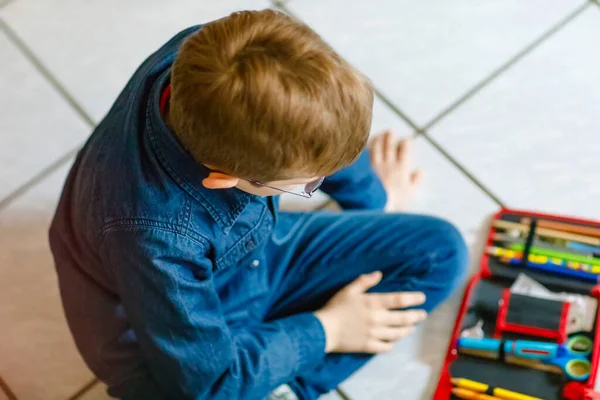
307,190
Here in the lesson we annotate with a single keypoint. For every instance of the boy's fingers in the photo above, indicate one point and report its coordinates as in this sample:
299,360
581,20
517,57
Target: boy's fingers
404,318
392,333
378,346
388,146
405,153
398,300
377,150
365,282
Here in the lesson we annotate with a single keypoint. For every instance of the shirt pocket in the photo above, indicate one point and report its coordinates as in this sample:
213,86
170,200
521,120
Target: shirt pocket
250,242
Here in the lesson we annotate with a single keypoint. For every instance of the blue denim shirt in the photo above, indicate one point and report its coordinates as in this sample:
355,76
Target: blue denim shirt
145,254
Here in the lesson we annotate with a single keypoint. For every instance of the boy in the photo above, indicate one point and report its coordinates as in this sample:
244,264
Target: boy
179,278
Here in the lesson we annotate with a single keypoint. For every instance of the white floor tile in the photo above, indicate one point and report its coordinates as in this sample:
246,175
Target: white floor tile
39,358
533,135
36,125
425,54
333,395
103,42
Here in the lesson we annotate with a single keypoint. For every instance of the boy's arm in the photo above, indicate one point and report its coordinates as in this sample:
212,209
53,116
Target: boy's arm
175,312
356,186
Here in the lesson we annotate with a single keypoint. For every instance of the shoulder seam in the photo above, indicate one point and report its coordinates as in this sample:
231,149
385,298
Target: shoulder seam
144,223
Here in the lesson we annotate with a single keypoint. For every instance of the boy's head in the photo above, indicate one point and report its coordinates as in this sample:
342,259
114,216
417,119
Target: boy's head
260,97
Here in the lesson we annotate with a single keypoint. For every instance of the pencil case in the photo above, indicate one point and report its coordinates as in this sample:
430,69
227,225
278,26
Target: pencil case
527,322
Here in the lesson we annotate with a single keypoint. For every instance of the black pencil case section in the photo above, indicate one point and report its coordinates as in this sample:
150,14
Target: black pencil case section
485,305
517,235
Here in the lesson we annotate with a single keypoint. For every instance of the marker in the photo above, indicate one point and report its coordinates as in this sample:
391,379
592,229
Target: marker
471,395
497,392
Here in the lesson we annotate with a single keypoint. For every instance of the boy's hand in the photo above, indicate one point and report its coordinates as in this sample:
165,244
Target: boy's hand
355,321
392,162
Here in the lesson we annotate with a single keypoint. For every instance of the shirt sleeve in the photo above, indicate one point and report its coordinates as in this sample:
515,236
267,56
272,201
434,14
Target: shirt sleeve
356,186
170,300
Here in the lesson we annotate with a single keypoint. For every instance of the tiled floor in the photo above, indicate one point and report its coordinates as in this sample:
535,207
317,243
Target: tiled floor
502,96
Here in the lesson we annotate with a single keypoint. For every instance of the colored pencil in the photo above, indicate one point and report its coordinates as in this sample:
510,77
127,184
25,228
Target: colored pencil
499,223
561,226
573,247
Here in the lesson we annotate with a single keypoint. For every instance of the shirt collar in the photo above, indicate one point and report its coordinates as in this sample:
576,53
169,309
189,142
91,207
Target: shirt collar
224,205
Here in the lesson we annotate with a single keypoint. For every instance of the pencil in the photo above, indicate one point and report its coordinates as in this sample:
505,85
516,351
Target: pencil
561,226
499,223
496,391
471,395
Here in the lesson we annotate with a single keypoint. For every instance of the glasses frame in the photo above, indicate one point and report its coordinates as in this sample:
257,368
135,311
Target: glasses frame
305,194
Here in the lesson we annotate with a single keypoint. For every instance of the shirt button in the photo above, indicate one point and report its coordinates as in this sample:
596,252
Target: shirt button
255,263
250,244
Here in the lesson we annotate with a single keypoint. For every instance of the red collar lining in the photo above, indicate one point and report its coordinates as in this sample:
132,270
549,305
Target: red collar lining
164,98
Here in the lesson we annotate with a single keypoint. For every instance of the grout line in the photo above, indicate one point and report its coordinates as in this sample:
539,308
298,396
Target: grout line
5,3
38,177
281,4
4,388
342,394
420,132
546,35
481,186
395,109
28,53
86,388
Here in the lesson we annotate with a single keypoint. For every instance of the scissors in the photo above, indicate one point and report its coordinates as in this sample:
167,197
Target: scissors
571,358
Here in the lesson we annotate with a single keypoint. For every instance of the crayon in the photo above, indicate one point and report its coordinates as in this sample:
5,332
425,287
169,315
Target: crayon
471,395
495,391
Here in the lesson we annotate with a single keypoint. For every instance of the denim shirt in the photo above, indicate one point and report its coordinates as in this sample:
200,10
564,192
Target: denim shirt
146,257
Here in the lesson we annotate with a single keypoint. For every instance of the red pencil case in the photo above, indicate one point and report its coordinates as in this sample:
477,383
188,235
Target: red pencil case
490,306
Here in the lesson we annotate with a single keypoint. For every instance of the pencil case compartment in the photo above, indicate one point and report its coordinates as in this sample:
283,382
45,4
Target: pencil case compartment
492,307
518,243
486,305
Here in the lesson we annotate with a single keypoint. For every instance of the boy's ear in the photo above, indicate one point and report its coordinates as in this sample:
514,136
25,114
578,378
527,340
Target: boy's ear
218,180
